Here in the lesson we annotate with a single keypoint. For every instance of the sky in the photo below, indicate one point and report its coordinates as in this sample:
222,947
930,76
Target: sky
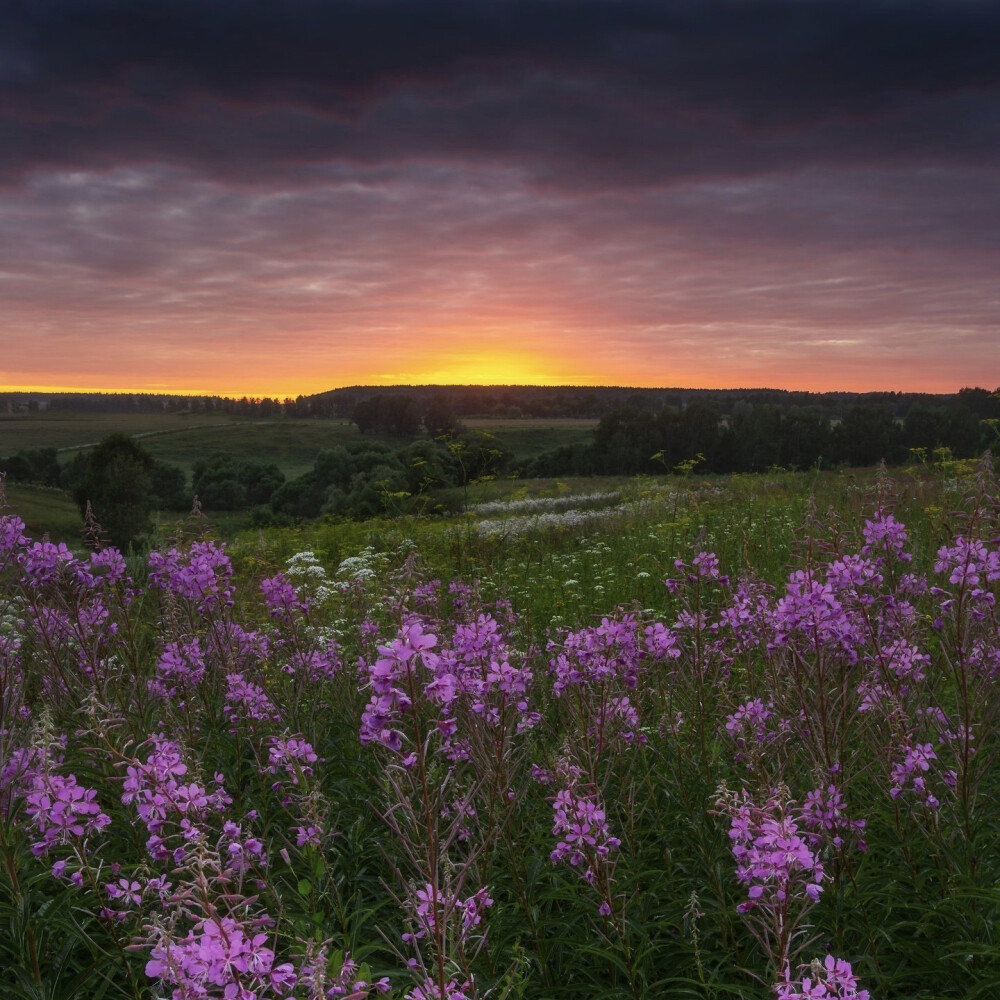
217,196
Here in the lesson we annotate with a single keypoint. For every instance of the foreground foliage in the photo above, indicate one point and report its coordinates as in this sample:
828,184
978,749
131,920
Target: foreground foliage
360,777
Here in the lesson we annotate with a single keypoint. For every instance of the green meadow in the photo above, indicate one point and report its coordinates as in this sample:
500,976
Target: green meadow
182,439
558,715
559,566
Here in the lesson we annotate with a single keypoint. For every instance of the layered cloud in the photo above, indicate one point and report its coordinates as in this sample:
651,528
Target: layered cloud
288,197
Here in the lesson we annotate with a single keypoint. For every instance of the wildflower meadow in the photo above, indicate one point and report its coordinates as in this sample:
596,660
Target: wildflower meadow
754,756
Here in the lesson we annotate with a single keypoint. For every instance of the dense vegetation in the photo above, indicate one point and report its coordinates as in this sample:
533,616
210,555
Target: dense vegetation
512,401
411,450
700,738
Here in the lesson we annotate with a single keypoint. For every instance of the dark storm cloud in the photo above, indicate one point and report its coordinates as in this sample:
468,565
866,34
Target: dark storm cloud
575,92
297,193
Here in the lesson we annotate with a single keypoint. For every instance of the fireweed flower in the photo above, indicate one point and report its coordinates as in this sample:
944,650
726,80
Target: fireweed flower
581,824
45,563
12,536
751,715
246,700
850,575
479,672
389,678
126,892
831,979
885,536
773,859
179,670
292,755
426,595
825,819
433,908
166,804
61,810
317,983
429,990
202,574
968,562
617,716
812,614
281,598
910,773
314,664
107,566
660,643
219,953
706,564
610,651
17,772
753,725
241,852
742,624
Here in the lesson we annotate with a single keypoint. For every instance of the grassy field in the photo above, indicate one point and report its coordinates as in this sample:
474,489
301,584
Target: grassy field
292,445
678,736
554,568
46,512
183,439
529,437
69,431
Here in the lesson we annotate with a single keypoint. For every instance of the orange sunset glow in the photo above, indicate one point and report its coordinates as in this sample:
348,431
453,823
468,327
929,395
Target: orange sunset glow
607,205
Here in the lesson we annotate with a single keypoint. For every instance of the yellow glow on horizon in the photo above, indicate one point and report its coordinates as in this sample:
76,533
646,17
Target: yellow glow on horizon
486,367
457,359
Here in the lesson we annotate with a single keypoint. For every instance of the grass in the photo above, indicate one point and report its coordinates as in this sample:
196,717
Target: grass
70,431
291,444
183,439
753,523
527,438
46,512
915,913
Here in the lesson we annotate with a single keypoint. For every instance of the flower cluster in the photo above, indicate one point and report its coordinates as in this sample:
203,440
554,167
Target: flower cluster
61,810
393,682
219,954
774,860
179,670
292,755
433,909
201,574
169,807
831,979
582,827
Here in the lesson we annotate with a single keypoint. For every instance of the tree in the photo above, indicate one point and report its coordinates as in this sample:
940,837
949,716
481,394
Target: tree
116,478
225,482
868,435
393,413
169,486
37,466
440,418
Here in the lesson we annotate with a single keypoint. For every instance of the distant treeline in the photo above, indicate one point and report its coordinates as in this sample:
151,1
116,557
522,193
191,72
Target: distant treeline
756,438
651,432
122,484
503,401
721,434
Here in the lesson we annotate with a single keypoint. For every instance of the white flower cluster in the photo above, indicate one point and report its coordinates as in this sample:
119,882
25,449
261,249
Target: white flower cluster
573,518
364,566
542,505
12,620
307,574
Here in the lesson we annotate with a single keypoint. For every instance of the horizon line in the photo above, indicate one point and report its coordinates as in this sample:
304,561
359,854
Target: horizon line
281,397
